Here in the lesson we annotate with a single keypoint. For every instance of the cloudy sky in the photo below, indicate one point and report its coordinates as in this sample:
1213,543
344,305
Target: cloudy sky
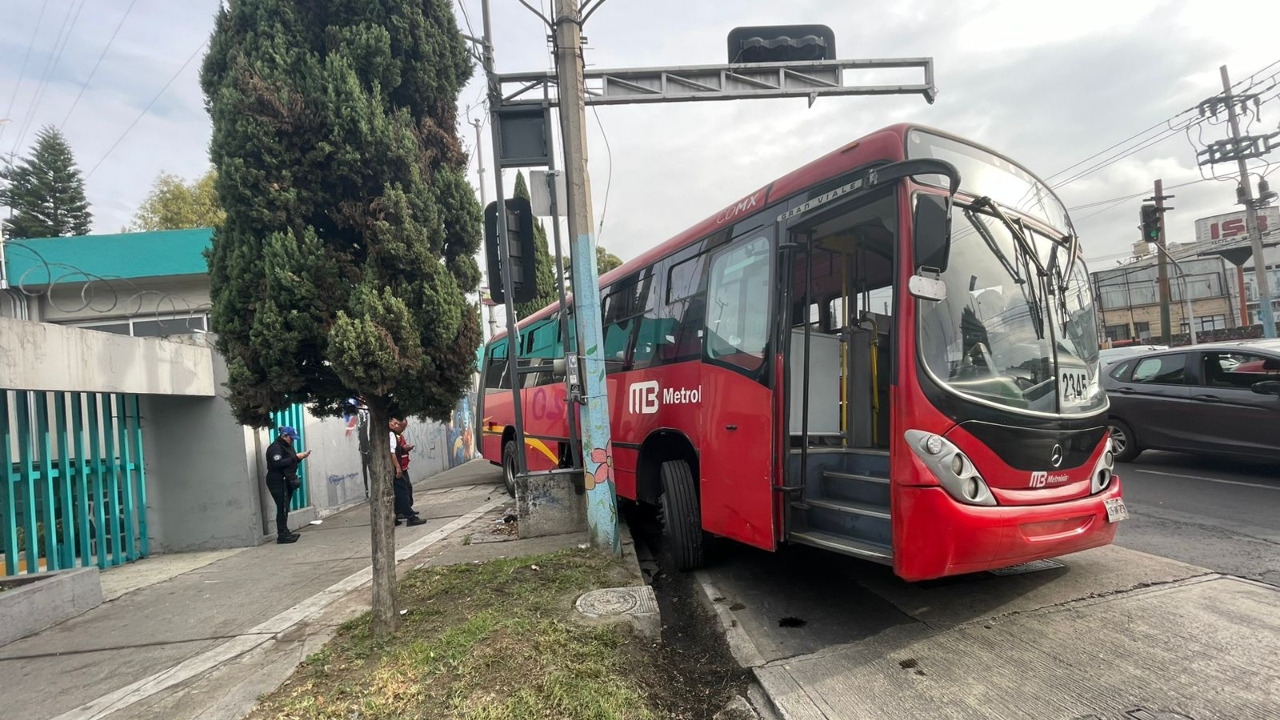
1049,83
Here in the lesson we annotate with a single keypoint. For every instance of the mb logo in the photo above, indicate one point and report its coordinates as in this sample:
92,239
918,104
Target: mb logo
643,398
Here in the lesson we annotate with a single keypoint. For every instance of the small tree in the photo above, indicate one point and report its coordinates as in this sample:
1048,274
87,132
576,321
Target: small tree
348,246
606,261
45,191
175,205
544,265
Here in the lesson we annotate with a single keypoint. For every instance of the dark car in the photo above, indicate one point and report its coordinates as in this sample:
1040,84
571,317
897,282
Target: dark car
1220,398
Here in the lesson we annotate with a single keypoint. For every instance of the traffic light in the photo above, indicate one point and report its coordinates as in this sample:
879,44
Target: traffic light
1150,223
521,246
781,43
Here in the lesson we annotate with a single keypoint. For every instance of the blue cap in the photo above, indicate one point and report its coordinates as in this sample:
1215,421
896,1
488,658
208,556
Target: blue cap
288,432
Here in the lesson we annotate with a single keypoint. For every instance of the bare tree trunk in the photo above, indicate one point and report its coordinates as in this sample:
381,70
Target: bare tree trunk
386,618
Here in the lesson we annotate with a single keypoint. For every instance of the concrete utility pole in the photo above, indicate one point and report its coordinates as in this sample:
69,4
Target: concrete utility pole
1251,216
491,327
1166,332
597,445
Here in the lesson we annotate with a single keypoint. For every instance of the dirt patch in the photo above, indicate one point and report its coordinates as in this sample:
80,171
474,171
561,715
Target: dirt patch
694,673
497,640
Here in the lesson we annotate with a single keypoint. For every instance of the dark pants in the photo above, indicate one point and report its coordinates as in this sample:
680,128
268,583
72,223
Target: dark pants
283,495
404,496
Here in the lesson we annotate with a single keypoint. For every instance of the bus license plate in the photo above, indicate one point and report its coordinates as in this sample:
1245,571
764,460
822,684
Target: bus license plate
1116,511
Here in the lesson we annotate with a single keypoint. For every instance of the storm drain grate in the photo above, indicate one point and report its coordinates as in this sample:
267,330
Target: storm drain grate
1033,566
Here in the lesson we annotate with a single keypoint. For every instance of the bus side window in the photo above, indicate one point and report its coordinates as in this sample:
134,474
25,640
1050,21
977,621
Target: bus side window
678,321
541,347
622,310
497,366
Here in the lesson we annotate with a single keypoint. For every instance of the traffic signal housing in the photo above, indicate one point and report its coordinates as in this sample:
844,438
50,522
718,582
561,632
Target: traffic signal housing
521,246
1150,223
781,43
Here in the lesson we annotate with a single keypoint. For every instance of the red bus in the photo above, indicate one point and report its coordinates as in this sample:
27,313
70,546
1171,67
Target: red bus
890,353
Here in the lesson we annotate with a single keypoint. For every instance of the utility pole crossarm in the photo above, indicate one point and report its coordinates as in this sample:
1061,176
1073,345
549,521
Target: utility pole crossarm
692,83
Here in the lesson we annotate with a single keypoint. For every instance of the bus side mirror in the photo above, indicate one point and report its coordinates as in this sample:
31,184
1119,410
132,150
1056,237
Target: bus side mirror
932,231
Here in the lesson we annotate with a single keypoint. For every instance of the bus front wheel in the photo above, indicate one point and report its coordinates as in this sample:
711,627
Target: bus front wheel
509,467
681,519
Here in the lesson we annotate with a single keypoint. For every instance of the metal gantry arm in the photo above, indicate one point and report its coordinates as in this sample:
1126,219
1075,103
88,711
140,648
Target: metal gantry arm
693,83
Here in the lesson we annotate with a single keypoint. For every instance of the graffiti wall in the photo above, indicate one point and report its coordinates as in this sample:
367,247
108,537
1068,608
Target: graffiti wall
462,442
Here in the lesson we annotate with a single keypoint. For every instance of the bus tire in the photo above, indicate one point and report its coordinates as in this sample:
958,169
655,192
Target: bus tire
681,518
509,467
1123,442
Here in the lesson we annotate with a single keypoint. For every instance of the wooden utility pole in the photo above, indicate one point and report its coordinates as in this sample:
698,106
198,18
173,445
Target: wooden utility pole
1166,332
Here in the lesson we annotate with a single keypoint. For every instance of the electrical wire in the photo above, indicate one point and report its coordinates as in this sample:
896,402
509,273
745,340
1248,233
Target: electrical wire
146,110
55,57
1130,197
609,178
1113,159
22,74
97,64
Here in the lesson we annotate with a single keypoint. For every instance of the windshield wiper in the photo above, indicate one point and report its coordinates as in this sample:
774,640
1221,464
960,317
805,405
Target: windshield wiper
1026,258
992,245
1021,235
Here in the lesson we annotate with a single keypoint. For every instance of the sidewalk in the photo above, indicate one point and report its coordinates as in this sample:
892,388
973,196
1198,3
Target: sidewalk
228,625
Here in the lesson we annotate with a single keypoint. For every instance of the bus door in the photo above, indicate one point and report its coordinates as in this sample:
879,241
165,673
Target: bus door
736,453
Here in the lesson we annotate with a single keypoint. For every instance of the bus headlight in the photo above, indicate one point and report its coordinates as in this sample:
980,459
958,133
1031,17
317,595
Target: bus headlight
955,471
1104,471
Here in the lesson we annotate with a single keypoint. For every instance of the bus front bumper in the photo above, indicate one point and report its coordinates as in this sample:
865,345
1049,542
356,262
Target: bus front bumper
935,536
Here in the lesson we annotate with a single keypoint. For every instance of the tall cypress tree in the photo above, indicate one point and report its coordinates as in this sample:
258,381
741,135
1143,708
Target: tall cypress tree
46,191
544,266
342,265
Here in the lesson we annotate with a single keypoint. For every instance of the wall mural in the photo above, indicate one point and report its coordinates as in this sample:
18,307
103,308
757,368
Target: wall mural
462,446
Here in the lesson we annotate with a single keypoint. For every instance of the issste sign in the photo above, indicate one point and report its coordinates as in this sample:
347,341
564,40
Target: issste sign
1230,229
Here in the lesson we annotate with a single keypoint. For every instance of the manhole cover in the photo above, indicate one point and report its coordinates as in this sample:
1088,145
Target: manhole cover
1033,566
618,601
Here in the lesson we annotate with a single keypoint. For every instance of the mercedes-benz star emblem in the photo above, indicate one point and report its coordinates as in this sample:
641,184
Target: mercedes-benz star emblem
1055,457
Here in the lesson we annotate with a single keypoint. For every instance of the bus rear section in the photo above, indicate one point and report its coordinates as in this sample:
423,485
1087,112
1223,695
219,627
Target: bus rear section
942,435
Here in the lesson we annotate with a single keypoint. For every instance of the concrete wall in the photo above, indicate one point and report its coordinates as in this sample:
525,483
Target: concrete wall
202,476
40,356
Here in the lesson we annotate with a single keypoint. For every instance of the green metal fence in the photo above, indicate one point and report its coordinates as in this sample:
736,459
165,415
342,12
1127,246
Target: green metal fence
73,488
295,417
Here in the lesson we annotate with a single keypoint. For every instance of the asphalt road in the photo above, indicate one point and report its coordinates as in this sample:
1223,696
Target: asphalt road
1220,514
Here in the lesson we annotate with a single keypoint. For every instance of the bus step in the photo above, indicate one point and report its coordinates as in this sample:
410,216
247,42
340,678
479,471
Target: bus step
870,490
853,508
845,546
858,521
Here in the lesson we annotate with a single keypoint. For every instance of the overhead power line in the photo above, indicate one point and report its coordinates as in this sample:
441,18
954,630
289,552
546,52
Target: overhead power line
145,110
22,74
55,57
97,64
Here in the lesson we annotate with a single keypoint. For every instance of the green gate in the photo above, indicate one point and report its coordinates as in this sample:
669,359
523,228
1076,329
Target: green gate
296,417
73,488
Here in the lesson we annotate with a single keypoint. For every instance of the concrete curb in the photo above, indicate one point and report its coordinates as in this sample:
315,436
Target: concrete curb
31,603
777,695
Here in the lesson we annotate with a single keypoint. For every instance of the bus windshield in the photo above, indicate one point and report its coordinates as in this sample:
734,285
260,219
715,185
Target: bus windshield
1009,333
